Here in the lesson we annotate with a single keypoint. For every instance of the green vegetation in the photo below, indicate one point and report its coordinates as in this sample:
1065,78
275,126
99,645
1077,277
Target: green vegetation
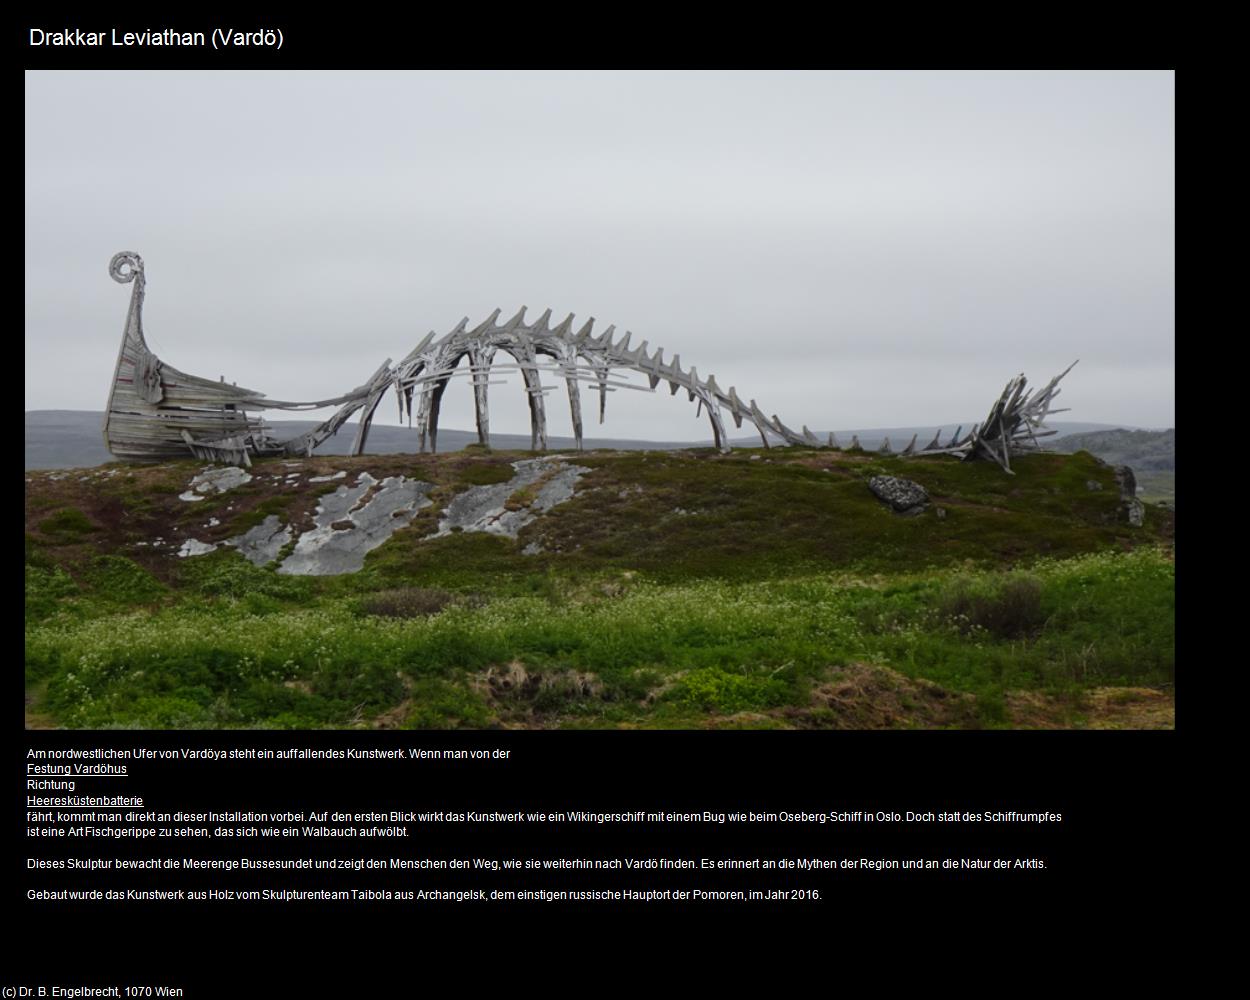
120,581
271,505
673,590
706,646
1150,454
68,524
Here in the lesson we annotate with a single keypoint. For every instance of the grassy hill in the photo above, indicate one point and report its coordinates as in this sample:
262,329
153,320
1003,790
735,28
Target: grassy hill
762,589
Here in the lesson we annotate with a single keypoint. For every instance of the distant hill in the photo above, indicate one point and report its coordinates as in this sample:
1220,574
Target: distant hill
1145,451
72,439
1150,454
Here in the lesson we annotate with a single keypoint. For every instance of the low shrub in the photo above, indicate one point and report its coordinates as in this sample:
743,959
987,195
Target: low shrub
228,574
44,589
1010,608
405,602
119,580
714,690
441,704
68,524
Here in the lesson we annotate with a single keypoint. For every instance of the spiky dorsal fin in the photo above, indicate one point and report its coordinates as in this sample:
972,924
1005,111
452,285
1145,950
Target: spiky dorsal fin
487,324
416,351
516,320
604,339
674,374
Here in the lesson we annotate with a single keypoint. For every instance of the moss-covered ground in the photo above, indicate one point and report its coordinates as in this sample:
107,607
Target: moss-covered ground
676,589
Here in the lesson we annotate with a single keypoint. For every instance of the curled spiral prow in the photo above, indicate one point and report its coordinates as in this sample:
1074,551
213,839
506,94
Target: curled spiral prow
125,266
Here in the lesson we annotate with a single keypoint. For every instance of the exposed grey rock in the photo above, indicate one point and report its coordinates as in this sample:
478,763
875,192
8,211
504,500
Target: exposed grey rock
342,474
194,547
1132,510
559,487
216,480
1092,485
903,495
260,545
482,508
328,550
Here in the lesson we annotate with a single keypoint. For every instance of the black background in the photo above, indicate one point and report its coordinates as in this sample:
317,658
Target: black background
1110,864
1114,864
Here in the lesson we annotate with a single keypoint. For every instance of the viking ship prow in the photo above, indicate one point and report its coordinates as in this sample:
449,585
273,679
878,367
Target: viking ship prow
156,412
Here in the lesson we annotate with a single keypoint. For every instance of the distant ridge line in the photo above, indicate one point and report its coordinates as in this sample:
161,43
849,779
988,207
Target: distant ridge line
62,439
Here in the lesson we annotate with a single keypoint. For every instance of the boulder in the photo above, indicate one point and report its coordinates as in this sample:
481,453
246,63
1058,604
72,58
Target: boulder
1132,510
903,495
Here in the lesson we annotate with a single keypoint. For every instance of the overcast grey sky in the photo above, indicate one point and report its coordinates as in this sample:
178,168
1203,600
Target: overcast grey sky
851,249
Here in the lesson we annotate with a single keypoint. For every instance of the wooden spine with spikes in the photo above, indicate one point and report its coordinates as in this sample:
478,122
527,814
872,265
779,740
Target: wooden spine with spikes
156,412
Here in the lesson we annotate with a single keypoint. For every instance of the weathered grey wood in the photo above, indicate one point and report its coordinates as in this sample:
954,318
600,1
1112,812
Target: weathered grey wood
789,436
155,411
480,359
568,356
